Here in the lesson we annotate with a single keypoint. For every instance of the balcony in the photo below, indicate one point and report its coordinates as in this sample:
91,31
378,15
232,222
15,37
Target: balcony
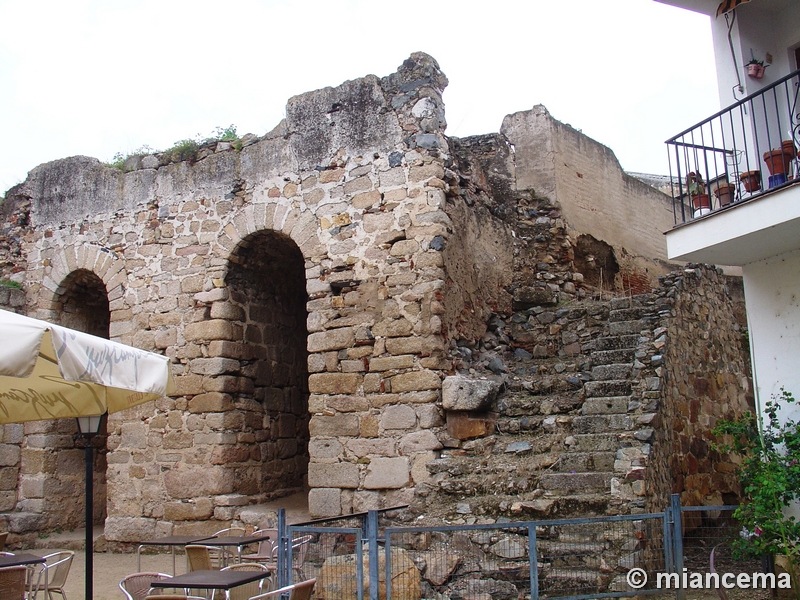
743,152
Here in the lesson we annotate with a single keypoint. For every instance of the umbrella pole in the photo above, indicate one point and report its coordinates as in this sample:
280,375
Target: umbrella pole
89,426
89,455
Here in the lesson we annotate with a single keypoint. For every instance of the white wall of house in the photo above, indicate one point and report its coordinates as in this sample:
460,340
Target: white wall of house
772,294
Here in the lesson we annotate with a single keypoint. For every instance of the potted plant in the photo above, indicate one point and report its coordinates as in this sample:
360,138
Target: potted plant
701,203
725,193
751,180
778,161
755,68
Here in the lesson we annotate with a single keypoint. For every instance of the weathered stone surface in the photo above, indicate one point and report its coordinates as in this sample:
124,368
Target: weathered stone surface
333,475
513,547
374,447
416,381
338,576
419,441
398,417
331,426
465,394
383,473
334,383
462,426
325,502
334,339
131,529
206,481
209,330
440,566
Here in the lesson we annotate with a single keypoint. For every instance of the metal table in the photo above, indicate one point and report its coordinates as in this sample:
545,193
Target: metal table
233,540
210,580
170,540
23,558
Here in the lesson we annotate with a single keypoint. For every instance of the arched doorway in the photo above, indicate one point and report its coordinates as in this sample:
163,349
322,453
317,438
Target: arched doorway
267,297
83,306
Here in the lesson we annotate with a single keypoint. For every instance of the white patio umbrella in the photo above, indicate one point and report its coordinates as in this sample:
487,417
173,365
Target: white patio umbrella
52,372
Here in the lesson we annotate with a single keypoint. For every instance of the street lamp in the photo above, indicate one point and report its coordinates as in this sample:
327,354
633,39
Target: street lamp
89,427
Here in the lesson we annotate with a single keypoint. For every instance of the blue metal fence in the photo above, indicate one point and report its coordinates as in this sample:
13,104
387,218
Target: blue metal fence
556,559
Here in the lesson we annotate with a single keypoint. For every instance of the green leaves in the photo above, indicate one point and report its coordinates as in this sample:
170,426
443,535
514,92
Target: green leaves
184,149
770,477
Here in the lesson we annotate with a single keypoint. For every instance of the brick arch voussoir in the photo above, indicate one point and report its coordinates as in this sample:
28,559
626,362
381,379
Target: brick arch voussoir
302,227
105,263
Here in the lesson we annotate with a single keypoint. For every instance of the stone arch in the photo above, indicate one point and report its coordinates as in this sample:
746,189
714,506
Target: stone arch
299,226
103,263
263,368
52,476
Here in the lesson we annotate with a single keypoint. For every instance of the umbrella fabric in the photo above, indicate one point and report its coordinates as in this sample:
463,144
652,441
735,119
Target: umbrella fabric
48,372
728,5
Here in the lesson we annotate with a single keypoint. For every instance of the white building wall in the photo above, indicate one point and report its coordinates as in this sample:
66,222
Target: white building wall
772,294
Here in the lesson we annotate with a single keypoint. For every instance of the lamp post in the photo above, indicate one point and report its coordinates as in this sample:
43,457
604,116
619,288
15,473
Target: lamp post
89,427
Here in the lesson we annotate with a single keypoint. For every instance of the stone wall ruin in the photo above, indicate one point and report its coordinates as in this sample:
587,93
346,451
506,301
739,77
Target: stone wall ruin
313,289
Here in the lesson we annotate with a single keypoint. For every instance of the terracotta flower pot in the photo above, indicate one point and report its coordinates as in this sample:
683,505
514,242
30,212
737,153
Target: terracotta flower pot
788,147
778,161
701,205
755,70
751,180
725,193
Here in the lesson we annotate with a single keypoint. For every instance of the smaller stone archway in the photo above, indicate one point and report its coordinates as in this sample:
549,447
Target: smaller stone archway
83,305
52,467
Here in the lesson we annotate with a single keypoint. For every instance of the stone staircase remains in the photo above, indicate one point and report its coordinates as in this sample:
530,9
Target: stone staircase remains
572,426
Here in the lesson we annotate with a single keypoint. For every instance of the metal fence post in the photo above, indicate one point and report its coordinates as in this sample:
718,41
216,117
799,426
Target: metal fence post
372,545
534,562
283,537
677,542
669,557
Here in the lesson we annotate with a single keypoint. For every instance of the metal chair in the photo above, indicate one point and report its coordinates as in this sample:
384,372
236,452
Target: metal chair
52,575
296,591
12,582
246,591
266,549
299,552
160,596
199,557
136,585
222,554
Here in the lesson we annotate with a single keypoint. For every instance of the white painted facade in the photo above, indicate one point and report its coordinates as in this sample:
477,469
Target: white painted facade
761,236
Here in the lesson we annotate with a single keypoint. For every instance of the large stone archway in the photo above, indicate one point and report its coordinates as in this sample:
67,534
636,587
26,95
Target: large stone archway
267,297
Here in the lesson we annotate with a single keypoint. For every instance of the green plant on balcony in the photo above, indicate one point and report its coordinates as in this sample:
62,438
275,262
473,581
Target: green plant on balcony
755,68
696,188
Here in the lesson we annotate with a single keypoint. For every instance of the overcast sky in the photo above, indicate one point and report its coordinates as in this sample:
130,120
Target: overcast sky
98,77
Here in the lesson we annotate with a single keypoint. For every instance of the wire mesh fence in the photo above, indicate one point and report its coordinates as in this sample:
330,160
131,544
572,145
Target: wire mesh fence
333,559
580,558
547,559
563,559
712,543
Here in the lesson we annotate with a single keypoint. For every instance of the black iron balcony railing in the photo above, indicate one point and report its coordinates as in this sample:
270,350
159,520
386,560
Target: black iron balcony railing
743,151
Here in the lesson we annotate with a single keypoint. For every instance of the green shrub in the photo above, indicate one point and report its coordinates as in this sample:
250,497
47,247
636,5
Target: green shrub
770,478
184,149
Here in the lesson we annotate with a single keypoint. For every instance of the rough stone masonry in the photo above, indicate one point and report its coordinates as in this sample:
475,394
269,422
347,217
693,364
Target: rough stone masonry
307,286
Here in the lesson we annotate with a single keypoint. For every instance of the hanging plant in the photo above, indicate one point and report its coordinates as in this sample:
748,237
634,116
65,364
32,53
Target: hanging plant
755,68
